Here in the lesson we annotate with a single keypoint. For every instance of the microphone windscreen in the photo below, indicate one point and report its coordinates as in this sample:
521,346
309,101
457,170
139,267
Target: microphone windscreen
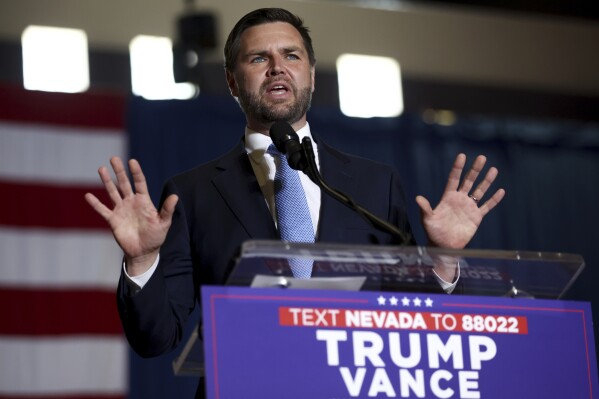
280,133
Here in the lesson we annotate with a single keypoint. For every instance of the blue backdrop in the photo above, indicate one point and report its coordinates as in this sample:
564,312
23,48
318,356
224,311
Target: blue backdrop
550,169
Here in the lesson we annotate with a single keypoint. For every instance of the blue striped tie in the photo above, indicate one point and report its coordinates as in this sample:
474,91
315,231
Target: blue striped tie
293,215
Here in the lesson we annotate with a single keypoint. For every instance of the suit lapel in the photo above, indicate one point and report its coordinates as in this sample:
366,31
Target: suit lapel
336,171
237,184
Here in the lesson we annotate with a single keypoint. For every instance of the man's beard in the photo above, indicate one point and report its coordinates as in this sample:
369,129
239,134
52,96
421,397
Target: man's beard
256,109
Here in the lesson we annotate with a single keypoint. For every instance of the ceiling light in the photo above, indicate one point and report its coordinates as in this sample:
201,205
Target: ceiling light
369,86
152,70
55,59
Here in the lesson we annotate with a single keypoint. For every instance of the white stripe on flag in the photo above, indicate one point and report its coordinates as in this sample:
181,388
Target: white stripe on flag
58,258
72,364
56,154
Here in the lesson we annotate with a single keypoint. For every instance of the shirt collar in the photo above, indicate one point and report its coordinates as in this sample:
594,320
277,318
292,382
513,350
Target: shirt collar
257,143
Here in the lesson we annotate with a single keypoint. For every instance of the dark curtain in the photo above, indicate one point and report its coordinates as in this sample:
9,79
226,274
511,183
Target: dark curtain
550,169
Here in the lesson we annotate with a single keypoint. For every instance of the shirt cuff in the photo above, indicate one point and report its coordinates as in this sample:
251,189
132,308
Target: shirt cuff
136,283
447,286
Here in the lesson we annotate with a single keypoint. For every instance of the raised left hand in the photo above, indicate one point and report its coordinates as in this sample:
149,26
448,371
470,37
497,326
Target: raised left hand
456,218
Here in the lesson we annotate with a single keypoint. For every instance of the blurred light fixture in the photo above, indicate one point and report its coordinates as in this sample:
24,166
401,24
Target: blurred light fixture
196,33
369,86
443,117
152,70
55,59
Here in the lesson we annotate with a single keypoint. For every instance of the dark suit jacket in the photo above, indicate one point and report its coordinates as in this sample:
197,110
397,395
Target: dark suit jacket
221,206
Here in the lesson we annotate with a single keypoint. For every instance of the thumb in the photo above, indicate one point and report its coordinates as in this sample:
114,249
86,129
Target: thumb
168,207
425,206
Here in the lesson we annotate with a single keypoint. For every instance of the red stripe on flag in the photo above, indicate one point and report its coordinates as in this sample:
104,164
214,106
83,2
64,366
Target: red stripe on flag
58,312
99,110
38,205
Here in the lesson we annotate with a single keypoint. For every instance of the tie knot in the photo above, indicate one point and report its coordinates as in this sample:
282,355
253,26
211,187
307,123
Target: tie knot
272,150
282,159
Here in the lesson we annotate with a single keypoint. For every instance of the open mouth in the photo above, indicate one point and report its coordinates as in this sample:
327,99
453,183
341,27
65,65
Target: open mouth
277,88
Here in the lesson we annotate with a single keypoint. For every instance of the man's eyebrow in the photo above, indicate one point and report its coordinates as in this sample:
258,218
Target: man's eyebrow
283,50
291,49
255,52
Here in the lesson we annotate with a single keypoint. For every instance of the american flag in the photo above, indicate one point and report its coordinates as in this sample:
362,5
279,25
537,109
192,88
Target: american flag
60,336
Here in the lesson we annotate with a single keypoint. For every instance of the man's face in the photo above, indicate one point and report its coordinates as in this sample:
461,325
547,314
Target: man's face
272,79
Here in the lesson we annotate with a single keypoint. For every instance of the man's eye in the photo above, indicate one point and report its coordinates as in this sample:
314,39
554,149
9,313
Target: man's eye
292,57
258,59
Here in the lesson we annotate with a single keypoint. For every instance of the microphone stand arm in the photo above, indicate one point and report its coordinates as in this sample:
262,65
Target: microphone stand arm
310,169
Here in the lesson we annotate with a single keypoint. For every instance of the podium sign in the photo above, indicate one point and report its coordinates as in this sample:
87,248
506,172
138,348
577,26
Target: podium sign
273,343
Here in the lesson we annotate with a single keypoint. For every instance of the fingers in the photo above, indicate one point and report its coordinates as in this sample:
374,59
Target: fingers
111,189
484,185
139,180
472,175
98,206
121,177
122,188
492,202
424,204
456,173
168,207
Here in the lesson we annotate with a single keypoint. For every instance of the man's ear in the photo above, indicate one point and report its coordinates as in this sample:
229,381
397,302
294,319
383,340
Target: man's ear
232,83
313,77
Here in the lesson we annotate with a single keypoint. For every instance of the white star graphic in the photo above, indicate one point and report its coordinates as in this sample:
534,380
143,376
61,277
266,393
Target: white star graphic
393,300
405,301
381,300
428,302
417,301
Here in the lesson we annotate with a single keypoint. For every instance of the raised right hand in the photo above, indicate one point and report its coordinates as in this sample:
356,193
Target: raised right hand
137,226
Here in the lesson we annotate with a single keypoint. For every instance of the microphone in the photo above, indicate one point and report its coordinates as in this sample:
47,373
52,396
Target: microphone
287,142
301,157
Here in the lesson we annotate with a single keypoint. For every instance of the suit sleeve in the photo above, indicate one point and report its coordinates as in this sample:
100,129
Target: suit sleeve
398,208
154,317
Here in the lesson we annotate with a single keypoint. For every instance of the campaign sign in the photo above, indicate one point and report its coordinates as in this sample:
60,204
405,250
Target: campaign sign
277,343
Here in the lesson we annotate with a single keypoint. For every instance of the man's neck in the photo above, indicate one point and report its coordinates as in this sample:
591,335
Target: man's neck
265,129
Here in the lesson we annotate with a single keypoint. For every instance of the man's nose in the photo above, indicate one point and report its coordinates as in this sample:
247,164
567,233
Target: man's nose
276,66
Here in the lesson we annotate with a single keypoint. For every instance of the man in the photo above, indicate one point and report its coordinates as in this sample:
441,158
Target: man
208,212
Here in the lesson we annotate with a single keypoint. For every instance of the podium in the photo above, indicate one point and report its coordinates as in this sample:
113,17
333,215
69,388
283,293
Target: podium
373,321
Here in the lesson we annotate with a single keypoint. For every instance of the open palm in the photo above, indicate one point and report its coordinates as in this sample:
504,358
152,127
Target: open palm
138,227
457,216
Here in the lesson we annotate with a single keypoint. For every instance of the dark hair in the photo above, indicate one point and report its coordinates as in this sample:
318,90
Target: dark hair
259,17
